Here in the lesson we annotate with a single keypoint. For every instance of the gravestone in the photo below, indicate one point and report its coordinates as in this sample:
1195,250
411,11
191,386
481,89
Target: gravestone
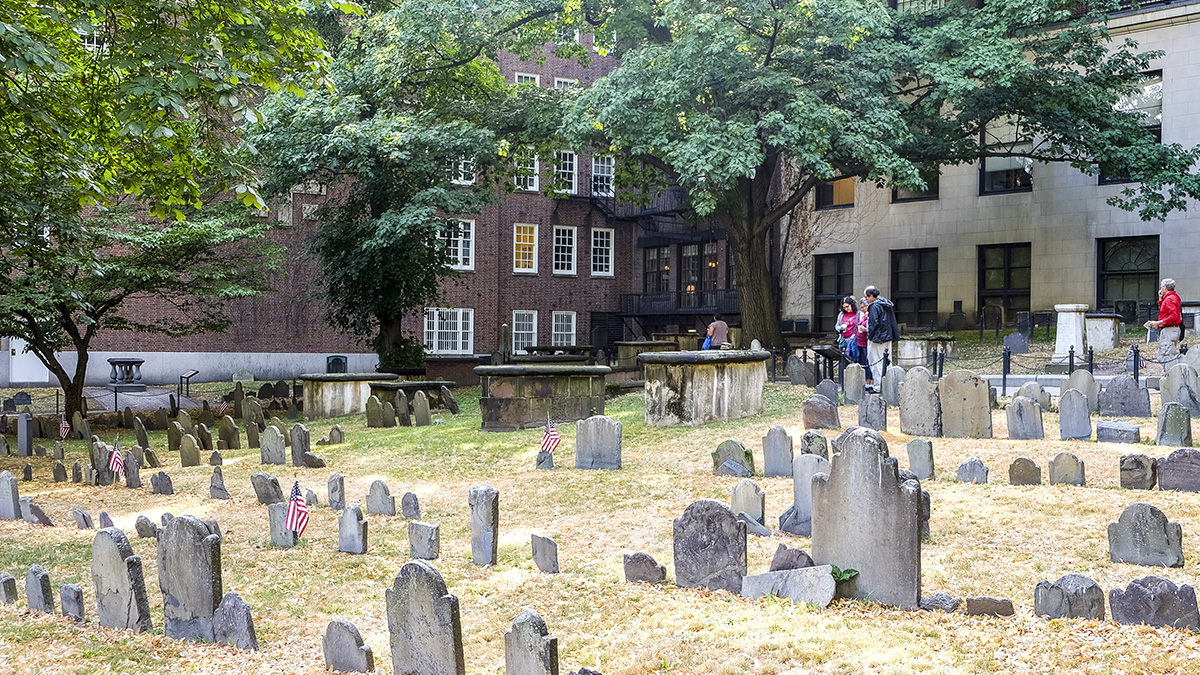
732,450
189,451
892,380
424,540
1155,601
281,536
310,498
185,421
387,415
204,437
1017,343
1144,536
39,450
1024,420
215,459
777,452
160,484
206,414
1117,432
10,497
216,485
820,413
82,429
1067,469
423,622
1083,381
872,412
311,461
484,501
25,435
989,606
335,491
271,448
813,443
1181,385
545,460
189,574
233,624
39,595
59,472
1073,596
966,405
27,473
1180,471
598,443
139,429
253,413
121,600
545,554
748,498
1033,390
1074,416
403,414
1023,471
77,472
829,389
239,393
227,433
133,470
336,435
410,507
160,419
253,436
4,449
32,513
100,455
920,458
59,451
788,558
300,444
83,519
266,391
420,405
380,501
940,602
710,547
8,588
174,436
920,404
972,471
1174,425
803,586
71,598
145,528
641,567
797,519
866,518
152,459
266,488
1122,397
449,401
529,649
281,389
352,531
1138,472
344,649
854,379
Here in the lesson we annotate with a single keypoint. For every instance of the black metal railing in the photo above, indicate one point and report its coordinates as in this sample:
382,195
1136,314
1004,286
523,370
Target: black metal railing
670,201
722,301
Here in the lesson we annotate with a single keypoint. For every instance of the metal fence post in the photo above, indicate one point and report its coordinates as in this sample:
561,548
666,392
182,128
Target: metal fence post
1137,362
1007,356
1071,360
1091,360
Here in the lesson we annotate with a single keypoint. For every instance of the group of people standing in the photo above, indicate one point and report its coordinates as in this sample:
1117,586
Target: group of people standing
867,329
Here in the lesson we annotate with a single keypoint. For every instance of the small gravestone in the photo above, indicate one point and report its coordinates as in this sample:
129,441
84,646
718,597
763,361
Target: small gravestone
59,451
598,443
642,567
966,405
545,554
424,540
892,380
310,498
4,449
185,420
1032,390
336,435
215,459
380,501
266,391
788,558
545,460
24,435
1017,343
105,520
152,459
160,484
139,429
27,472
777,452
311,461
747,497
1083,381
189,451
920,458
920,404
145,528
872,412
529,649
345,650
1074,416
710,547
32,513
253,436
1067,469
989,606
939,602
77,472
1180,471
227,433
1117,432
39,450
829,389
1174,425
410,507
732,450
807,585
972,471
189,574
335,491
1122,397
820,413
166,518
1138,472
8,588
71,598
813,443
216,485
160,419
420,406
449,401
1144,536
82,428
1024,420
271,447
266,488
387,416
403,414
300,444
83,519
39,595
797,519
174,436
1023,471
1155,601
352,531
281,536
855,379
423,621
484,501
1181,385
204,437
233,624
206,414
59,472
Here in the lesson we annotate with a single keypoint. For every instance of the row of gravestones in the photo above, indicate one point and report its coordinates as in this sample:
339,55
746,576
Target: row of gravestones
21,398
1180,471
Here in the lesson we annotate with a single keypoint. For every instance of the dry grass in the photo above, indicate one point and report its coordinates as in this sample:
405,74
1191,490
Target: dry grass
991,539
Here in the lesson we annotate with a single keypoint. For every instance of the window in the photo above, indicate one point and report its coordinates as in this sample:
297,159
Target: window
564,250
564,171
915,286
602,251
525,248
656,274
524,329
461,245
449,331
835,194
833,280
931,176
93,42
603,168
527,170
565,83
462,172
689,274
1146,102
564,328
1004,281
1127,272
527,78
1005,174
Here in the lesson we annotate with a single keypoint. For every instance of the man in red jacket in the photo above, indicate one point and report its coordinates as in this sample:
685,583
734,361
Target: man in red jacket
1169,324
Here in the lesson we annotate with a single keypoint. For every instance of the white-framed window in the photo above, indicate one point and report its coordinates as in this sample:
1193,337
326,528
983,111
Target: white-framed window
564,328
525,248
564,249
566,35
462,172
565,82
93,41
602,251
449,330
566,171
527,78
603,169
461,246
528,170
524,331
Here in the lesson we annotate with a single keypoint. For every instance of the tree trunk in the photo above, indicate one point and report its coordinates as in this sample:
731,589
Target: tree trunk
760,315
387,342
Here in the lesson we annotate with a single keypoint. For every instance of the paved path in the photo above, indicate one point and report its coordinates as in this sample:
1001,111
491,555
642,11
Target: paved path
151,399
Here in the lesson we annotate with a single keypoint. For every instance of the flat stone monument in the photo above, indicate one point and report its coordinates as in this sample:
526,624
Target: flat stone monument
710,547
1117,432
697,387
803,586
1144,536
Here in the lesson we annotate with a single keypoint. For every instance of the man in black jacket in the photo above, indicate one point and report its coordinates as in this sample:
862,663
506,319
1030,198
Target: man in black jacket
882,330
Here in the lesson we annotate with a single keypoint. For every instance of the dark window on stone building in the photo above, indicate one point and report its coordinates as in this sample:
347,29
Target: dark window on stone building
656,275
833,280
915,286
1127,272
1004,281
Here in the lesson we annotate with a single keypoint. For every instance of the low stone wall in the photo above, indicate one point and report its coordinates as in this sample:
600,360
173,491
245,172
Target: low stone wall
524,396
694,388
338,394
627,352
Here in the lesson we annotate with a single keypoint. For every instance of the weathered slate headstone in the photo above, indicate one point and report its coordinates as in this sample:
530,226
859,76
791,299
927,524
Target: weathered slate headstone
160,484
814,443
972,471
1023,471
866,518
989,606
1155,601
387,416
1067,469
174,436
598,443
189,574
545,554
33,514
420,406
820,413
1174,425
484,501
788,558
253,436
1144,536
797,519
966,405
60,452
920,404
281,536
335,491
27,472
423,620
336,435
216,485
710,547
271,446
139,429
345,650
189,450
1033,391
1122,397
449,401
641,567
1180,471
4,449
266,488
940,602
227,433
300,444
829,389
410,506
1017,343
777,452
215,459
1181,385
380,501
529,649
145,528
204,437
310,498
1024,420
1073,596
185,420
121,600
39,595
920,458
82,429
424,540
806,585
152,460
233,624
1074,416
403,414
83,519
872,412
1083,381
1138,472
1117,432
735,451
352,531
59,472
855,379
748,498
25,435
133,470
892,380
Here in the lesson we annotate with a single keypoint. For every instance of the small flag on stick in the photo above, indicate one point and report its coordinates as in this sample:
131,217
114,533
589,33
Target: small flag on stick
222,408
297,512
550,439
116,462
64,428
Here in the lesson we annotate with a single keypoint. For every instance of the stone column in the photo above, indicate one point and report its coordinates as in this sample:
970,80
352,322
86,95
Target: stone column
1070,332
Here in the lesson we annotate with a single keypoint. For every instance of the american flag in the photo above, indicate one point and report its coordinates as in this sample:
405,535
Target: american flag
222,408
297,513
116,463
551,439
64,428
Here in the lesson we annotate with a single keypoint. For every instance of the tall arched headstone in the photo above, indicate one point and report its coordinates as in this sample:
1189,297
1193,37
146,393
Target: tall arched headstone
189,574
423,620
121,599
920,404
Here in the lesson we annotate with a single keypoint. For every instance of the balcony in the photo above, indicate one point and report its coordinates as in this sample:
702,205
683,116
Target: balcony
669,202
722,301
